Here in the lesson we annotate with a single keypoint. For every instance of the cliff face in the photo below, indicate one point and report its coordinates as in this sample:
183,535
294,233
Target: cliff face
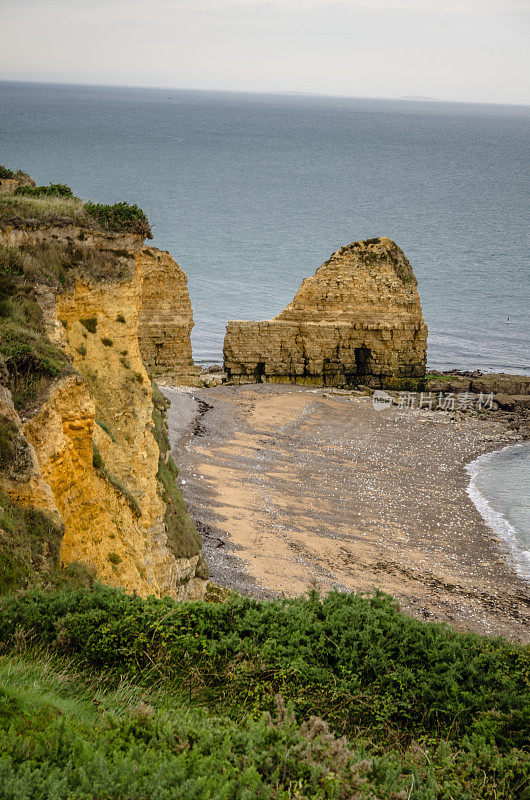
357,320
166,318
92,444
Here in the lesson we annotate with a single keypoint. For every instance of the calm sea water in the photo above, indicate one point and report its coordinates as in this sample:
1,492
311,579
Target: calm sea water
251,193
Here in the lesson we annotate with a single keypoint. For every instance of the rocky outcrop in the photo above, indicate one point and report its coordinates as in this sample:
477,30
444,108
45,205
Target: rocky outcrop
357,320
166,319
93,449
16,179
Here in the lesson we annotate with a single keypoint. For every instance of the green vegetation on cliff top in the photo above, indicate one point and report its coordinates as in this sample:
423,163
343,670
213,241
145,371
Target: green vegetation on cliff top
55,204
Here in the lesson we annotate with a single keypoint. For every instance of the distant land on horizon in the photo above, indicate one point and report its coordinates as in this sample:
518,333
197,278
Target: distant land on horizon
264,92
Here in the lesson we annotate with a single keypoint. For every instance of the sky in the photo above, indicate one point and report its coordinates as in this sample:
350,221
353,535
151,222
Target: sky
462,50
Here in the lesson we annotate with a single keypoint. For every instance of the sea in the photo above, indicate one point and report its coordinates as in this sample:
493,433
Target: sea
252,192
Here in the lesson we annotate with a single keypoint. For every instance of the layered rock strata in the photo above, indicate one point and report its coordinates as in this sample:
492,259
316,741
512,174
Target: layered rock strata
358,320
94,452
166,319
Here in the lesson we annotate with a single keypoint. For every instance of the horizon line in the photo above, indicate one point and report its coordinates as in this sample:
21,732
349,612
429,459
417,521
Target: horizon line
293,92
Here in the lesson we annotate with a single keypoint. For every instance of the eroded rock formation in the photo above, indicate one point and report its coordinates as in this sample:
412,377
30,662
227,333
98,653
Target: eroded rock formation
91,449
166,319
357,320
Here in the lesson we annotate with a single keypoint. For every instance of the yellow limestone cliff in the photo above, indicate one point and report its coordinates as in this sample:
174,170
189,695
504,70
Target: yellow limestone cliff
166,319
94,451
357,320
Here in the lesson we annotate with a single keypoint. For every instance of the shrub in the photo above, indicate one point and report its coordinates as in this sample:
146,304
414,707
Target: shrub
183,538
120,217
120,318
6,173
29,545
114,558
90,324
62,737
97,458
107,342
105,427
11,261
99,464
32,361
356,660
53,190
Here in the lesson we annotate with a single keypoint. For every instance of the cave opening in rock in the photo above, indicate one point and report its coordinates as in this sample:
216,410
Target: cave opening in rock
259,372
362,360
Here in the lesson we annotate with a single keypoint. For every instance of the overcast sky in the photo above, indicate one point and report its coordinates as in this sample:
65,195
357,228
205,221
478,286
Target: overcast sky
471,50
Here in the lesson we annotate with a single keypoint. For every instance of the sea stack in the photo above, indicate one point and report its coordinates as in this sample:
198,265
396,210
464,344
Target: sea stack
166,319
357,320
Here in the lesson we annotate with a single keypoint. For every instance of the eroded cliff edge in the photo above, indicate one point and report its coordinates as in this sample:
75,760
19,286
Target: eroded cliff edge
357,320
82,429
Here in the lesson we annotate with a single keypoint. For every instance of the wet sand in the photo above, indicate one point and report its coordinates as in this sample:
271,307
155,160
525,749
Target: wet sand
292,488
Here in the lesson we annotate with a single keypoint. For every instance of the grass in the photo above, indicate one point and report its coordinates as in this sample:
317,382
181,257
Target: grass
435,376
31,360
19,210
427,712
54,206
29,550
105,427
183,538
14,450
99,464
65,737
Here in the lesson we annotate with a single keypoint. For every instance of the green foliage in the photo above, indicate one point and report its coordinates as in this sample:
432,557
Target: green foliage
9,442
11,262
99,464
105,427
53,190
114,558
443,712
55,205
90,324
22,210
358,660
97,458
6,173
56,743
435,376
120,217
31,360
183,538
29,550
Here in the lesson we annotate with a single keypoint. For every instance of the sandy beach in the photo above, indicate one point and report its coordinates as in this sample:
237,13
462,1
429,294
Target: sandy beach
293,488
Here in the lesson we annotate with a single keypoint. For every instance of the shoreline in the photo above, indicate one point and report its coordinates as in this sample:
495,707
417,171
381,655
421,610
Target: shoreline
495,519
292,487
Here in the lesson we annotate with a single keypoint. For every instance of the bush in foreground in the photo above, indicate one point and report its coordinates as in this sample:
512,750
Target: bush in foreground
438,714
